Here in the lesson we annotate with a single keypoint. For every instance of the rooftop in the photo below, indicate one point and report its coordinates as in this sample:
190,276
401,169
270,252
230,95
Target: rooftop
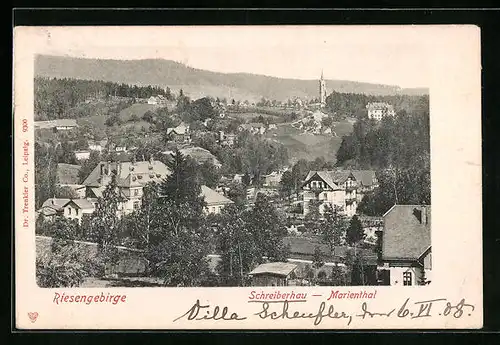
407,232
275,268
214,198
129,173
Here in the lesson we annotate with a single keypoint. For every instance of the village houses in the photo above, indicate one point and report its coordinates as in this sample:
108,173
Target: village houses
254,127
131,177
406,245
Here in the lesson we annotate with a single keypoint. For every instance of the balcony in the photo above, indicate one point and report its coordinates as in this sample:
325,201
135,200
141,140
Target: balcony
350,200
350,188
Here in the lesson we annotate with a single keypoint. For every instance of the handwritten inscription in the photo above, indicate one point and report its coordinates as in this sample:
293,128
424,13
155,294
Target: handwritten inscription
205,312
289,310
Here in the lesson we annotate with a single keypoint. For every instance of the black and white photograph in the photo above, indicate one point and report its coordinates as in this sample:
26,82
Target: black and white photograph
237,161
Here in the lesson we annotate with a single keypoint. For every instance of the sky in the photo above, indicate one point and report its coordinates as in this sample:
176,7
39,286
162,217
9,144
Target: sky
392,55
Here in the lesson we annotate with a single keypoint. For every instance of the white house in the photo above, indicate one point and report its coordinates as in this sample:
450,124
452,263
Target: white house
406,245
273,179
82,155
68,208
131,177
215,202
333,188
379,110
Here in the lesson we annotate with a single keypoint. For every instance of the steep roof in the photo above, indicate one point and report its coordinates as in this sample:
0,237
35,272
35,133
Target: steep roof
55,203
276,268
214,198
181,129
406,232
200,155
144,171
81,203
331,177
365,177
58,203
378,105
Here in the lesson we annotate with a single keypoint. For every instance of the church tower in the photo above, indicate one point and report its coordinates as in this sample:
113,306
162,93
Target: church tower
322,91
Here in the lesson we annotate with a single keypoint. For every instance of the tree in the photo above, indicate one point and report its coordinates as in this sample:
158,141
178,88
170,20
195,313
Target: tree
267,228
61,266
333,228
246,179
355,233
287,184
209,174
45,173
237,193
178,252
239,253
65,192
105,224
318,258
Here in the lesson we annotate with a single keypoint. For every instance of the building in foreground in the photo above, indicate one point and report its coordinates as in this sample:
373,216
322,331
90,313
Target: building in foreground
334,188
406,245
272,274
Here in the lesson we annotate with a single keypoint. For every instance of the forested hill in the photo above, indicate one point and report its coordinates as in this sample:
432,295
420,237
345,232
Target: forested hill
199,83
399,149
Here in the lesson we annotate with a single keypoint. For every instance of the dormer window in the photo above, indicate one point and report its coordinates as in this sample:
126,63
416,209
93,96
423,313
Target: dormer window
150,167
139,177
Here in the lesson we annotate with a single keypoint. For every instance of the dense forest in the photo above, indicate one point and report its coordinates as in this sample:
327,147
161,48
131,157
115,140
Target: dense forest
55,98
354,104
399,150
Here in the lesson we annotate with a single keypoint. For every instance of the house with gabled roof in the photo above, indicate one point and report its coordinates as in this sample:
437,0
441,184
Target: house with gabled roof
180,134
68,208
336,188
406,244
131,177
215,201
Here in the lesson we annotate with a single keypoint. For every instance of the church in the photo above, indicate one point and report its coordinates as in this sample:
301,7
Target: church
322,91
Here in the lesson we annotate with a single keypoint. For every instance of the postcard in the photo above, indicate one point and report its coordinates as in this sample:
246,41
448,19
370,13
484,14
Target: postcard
247,177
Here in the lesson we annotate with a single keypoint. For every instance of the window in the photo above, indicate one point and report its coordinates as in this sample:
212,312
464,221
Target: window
69,210
136,192
136,205
76,212
407,278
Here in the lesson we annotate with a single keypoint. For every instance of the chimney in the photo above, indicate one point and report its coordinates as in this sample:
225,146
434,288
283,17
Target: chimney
423,217
108,167
102,169
118,168
151,160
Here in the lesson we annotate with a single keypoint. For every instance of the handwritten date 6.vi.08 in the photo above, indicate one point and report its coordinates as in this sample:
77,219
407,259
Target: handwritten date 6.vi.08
283,310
